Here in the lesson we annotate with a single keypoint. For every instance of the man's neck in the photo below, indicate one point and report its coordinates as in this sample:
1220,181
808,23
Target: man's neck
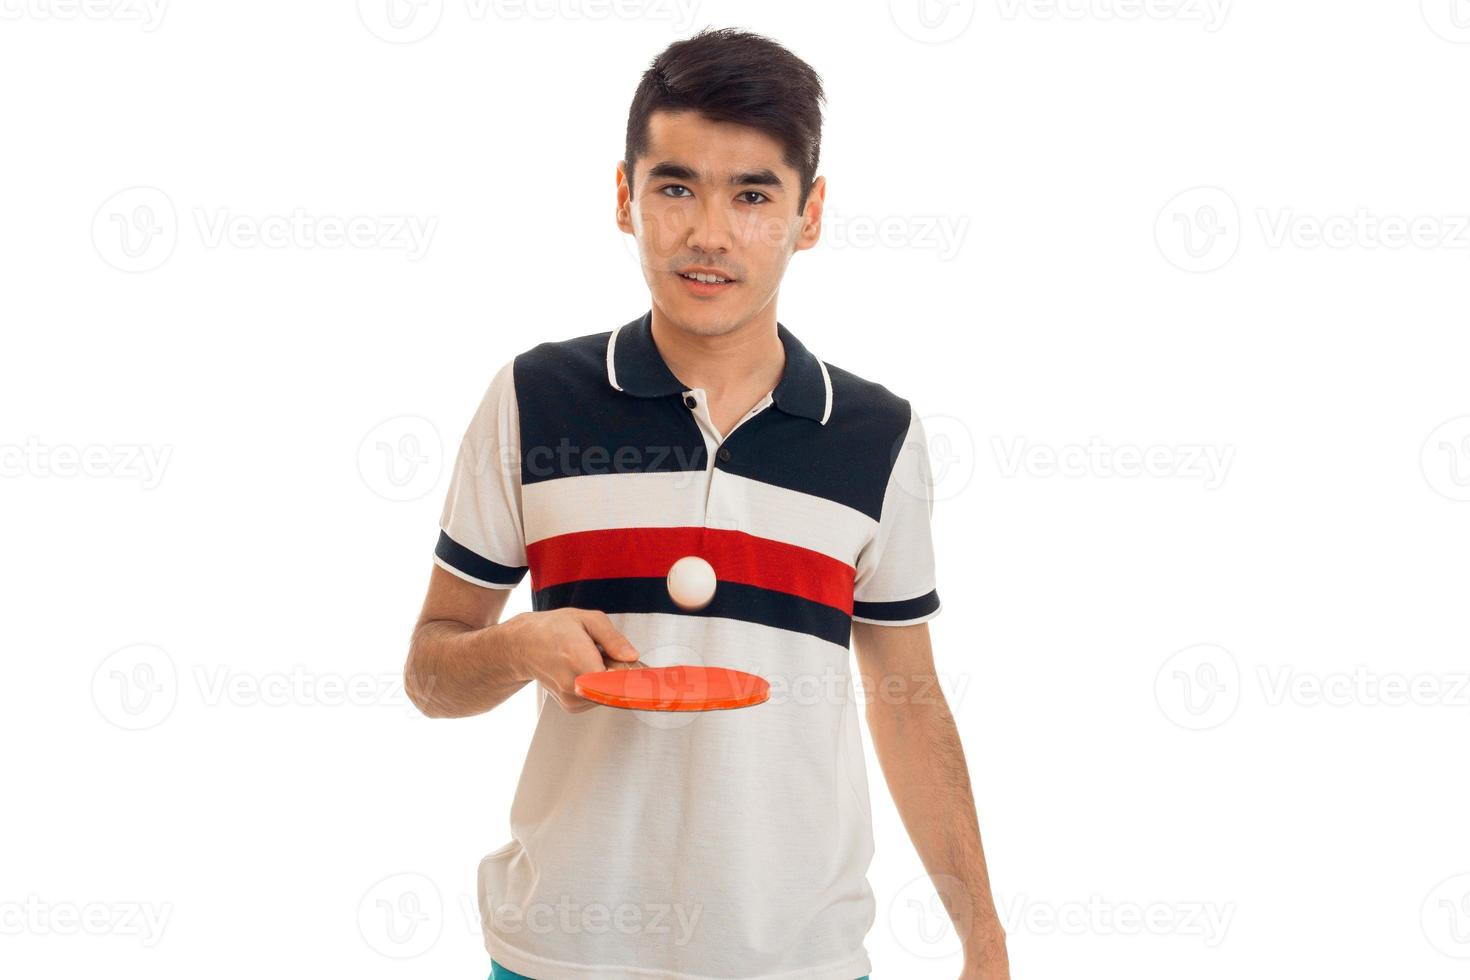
736,367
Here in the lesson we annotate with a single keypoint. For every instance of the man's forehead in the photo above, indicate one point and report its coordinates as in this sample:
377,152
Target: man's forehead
713,150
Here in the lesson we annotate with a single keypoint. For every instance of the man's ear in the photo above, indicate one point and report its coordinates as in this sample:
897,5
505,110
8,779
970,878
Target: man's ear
625,199
811,223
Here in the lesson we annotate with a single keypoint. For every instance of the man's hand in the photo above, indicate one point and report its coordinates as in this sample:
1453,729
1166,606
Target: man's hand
555,646
986,957
463,661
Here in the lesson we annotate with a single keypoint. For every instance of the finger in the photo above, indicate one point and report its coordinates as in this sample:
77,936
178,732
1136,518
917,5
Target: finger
575,704
605,635
572,702
586,660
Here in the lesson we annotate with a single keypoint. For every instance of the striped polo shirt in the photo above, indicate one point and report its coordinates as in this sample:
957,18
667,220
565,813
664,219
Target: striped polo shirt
732,843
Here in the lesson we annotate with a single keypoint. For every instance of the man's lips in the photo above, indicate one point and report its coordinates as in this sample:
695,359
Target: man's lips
696,272
699,288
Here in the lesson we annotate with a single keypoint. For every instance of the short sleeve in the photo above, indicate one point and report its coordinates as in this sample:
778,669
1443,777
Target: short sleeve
481,534
895,581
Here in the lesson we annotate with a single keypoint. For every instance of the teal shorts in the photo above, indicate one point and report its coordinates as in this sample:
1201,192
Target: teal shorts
498,972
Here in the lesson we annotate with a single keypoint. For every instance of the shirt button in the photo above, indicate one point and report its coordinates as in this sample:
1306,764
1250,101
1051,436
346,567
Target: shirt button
724,454
690,402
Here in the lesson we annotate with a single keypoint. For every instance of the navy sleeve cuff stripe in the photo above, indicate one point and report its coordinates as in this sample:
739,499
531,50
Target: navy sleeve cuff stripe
456,555
897,612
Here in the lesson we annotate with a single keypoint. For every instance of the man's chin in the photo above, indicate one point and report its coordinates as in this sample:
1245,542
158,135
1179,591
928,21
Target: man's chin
703,318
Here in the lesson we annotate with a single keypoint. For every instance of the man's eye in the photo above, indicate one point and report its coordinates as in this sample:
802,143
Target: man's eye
747,194
675,187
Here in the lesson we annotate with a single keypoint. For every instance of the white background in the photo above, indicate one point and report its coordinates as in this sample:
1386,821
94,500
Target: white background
1215,712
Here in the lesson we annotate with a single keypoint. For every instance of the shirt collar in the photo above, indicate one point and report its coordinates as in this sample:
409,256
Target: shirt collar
635,366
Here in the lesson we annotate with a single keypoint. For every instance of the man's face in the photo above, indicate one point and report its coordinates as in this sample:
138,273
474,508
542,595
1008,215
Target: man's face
717,198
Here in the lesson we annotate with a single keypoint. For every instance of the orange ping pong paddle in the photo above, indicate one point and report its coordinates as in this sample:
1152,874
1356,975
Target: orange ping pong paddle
683,687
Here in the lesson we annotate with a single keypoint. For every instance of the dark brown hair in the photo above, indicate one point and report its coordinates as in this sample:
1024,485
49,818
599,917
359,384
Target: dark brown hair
728,75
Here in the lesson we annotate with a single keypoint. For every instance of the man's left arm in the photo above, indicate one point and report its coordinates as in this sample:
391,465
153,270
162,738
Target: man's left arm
923,762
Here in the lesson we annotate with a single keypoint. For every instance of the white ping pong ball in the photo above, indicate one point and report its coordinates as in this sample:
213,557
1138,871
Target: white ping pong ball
691,582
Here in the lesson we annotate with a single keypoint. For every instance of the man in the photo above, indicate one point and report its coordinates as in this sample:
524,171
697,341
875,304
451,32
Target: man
728,843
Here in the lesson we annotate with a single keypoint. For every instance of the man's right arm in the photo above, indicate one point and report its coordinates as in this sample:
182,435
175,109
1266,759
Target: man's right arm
463,661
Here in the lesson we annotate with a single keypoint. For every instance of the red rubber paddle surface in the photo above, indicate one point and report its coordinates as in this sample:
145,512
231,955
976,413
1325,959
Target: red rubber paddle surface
684,687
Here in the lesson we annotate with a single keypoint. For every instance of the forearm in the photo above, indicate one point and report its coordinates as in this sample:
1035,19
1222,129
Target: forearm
454,670
923,762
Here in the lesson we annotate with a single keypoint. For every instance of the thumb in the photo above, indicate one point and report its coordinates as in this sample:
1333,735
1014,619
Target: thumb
614,644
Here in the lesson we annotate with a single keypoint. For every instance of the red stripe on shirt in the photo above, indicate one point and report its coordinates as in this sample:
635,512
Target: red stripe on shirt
647,552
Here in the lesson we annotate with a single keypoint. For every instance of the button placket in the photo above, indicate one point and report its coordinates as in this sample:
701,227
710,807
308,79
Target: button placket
698,407
716,446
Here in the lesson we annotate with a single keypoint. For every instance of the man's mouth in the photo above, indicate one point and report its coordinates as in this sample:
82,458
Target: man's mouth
705,277
704,282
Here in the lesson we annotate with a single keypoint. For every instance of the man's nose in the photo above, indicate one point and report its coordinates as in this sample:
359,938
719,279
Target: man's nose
711,229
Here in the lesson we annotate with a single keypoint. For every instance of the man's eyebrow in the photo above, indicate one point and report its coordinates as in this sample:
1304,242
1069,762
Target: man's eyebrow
669,170
760,178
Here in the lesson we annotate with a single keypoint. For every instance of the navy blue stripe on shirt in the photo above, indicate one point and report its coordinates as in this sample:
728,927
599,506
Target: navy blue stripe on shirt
897,612
457,556
733,600
606,431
